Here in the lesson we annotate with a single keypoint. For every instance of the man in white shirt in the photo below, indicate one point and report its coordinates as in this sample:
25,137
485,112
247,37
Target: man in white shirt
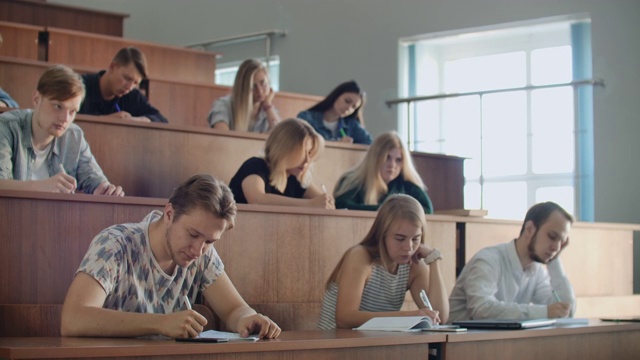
509,281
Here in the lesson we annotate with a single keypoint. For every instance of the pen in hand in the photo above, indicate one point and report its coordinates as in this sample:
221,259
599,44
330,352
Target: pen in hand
425,299
118,108
555,295
343,133
64,172
324,189
186,301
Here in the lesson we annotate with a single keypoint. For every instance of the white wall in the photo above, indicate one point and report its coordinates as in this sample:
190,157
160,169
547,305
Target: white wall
331,41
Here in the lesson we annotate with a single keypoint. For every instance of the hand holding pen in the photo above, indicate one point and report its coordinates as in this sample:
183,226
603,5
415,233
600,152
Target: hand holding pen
345,138
559,309
427,303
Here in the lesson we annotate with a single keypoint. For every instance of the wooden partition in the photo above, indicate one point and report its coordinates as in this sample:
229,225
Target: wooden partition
162,156
20,40
42,13
182,102
189,103
278,257
168,62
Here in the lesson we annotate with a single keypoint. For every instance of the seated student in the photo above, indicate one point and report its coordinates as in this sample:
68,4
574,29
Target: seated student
282,176
386,169
42,150
372,278
135,277
509,281
114,93
338,117
249,106
6,100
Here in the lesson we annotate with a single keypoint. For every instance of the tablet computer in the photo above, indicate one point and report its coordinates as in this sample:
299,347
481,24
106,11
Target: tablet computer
507,324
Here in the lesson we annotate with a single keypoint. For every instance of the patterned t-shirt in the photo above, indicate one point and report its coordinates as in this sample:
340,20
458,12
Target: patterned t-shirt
121,260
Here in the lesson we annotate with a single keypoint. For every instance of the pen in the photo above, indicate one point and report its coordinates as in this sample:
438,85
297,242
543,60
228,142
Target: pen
186,302
343,133
425,299
324,189
118,107
555,295
64,172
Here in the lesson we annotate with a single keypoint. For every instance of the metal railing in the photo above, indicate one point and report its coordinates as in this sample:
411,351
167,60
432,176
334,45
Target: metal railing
410,100
267,35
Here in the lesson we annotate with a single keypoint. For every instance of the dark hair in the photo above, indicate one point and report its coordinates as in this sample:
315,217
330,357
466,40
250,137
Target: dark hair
346,87
133,55
60,83
208,193
539,213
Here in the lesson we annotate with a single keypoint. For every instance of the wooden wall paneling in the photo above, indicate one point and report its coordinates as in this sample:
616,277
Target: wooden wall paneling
166,62
48,14
189,103
20,78
19,40
444,177
44,240
30,320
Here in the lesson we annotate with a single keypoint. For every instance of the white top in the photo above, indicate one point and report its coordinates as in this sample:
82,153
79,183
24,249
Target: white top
332,126
39,168
493,285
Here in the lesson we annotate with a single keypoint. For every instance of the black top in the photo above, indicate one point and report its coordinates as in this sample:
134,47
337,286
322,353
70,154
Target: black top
134,102
258,166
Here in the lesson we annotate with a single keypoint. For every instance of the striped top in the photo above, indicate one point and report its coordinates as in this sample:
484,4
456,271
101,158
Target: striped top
383,291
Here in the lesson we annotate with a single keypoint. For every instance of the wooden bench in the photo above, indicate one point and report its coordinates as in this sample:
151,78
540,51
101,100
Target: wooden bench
42,13
77,48
277,257
21,41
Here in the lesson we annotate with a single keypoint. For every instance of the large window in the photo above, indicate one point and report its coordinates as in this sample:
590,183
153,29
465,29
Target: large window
521,143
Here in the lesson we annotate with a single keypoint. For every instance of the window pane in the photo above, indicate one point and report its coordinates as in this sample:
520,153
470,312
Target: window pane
562,195
472,196
504,134
499,71
552,130
461,131
551,65
506,200
427,126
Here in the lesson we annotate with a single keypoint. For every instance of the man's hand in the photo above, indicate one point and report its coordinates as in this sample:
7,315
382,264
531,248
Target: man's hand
106,188
258,322
183,324
59,182
558,310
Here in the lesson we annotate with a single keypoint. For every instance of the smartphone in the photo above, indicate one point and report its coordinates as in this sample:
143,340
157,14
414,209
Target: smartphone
204,340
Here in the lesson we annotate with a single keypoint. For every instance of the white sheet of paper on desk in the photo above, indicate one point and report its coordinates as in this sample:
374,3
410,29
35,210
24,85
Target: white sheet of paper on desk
227,335
572,321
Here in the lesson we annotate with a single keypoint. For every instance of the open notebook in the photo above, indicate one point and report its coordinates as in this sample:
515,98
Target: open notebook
505,323
219,336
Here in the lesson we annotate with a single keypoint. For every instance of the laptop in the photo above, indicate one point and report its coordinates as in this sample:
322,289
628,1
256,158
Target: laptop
506,324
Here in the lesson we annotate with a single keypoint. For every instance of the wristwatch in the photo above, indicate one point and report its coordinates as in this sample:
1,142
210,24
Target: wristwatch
433,256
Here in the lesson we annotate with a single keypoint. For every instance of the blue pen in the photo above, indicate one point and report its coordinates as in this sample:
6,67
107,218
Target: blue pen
118,107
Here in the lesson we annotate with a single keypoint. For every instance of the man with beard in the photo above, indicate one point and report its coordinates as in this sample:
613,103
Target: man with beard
41,149
139,279
509,281
114,92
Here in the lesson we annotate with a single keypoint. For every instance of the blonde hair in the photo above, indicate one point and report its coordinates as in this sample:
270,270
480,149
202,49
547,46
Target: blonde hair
395,208
285,141
366,175
242,94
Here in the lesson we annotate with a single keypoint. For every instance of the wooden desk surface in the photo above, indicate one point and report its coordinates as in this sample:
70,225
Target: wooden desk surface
598,340
314,344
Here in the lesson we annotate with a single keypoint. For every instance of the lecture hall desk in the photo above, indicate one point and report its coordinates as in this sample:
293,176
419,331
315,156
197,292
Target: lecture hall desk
299,345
